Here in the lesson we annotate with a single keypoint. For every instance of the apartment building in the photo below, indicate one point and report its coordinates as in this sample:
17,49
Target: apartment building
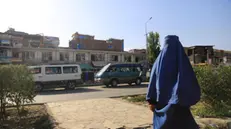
34,56
5,48
88,42
200,54
11,41
22,39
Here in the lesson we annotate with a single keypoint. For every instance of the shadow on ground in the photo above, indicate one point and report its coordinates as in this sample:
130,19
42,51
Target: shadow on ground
123,86
63,91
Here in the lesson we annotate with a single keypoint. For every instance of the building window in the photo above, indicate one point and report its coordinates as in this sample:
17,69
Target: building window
114,58
97,57
3,53
63,56
70,69
46,56
53,70
137,59
80,57
28,55
190,52
128,59
15,54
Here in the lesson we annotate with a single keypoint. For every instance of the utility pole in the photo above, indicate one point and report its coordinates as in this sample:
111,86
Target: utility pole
146,34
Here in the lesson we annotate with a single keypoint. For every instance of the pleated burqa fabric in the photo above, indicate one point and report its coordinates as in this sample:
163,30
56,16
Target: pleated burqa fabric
173,88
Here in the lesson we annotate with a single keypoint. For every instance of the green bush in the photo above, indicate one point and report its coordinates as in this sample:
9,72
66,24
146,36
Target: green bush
215,83
16,87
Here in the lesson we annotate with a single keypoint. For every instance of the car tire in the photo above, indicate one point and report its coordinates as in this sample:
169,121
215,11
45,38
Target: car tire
38,87
114,83
71,85
138,81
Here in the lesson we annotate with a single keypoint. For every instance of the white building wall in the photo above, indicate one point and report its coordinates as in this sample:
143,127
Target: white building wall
87,56
71,56
36,55
133,58
106,57
122,58
119,58
39,56
54,56
57,56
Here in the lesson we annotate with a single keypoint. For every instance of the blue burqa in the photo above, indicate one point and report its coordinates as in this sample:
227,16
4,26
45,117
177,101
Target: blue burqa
173,88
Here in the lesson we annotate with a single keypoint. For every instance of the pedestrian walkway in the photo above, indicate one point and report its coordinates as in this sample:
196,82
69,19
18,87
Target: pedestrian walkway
99,114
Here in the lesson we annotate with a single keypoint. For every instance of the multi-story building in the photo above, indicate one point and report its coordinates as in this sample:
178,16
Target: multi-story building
11,41
88,42
5,48
67,55
206,54
200,54
21,39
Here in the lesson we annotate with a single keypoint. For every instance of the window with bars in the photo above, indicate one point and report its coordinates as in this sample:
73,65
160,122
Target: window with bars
28,55
46,56
63,56
80,57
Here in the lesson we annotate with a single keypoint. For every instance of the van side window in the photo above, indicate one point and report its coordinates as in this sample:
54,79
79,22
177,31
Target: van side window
70,69
53,70
112,69
125,69
35,70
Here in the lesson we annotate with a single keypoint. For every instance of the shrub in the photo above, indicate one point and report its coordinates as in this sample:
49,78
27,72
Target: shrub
16,86
215,86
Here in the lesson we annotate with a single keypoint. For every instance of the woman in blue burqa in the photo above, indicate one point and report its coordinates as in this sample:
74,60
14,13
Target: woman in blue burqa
173,88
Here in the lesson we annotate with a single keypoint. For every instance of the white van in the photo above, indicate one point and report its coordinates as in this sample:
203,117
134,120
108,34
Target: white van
50,76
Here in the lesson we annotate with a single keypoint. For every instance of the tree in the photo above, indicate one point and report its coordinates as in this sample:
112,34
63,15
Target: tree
153,46
16,88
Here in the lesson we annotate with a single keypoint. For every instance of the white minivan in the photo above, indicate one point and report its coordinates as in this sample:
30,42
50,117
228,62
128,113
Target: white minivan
51,76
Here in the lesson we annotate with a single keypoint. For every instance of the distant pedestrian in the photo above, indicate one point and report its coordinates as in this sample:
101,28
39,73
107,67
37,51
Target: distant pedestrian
173,88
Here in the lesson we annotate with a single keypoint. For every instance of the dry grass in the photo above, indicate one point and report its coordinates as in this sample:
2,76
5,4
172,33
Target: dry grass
33,117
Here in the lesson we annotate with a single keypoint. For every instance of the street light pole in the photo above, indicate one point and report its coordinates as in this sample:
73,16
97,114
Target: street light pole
146,34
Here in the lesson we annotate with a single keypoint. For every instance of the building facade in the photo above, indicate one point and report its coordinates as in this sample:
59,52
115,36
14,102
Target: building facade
88,42
32,56
21,39
12,42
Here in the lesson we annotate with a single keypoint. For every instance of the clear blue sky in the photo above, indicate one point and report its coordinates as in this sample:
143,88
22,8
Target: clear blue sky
206,22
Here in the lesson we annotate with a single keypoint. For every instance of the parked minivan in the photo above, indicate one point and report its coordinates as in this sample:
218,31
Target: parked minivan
114,74
51,76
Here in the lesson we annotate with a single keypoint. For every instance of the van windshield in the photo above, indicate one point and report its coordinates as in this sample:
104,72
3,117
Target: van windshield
103,70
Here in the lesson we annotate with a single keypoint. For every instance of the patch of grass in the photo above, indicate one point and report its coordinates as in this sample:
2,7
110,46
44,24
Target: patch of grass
204,110
215,127
32,117
136,98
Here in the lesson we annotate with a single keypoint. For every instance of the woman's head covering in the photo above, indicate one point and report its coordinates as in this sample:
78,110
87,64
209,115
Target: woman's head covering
172,78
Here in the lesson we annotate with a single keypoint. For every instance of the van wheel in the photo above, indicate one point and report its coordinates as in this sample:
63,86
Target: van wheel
107,85
38,87
138,81
70,85
114,83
